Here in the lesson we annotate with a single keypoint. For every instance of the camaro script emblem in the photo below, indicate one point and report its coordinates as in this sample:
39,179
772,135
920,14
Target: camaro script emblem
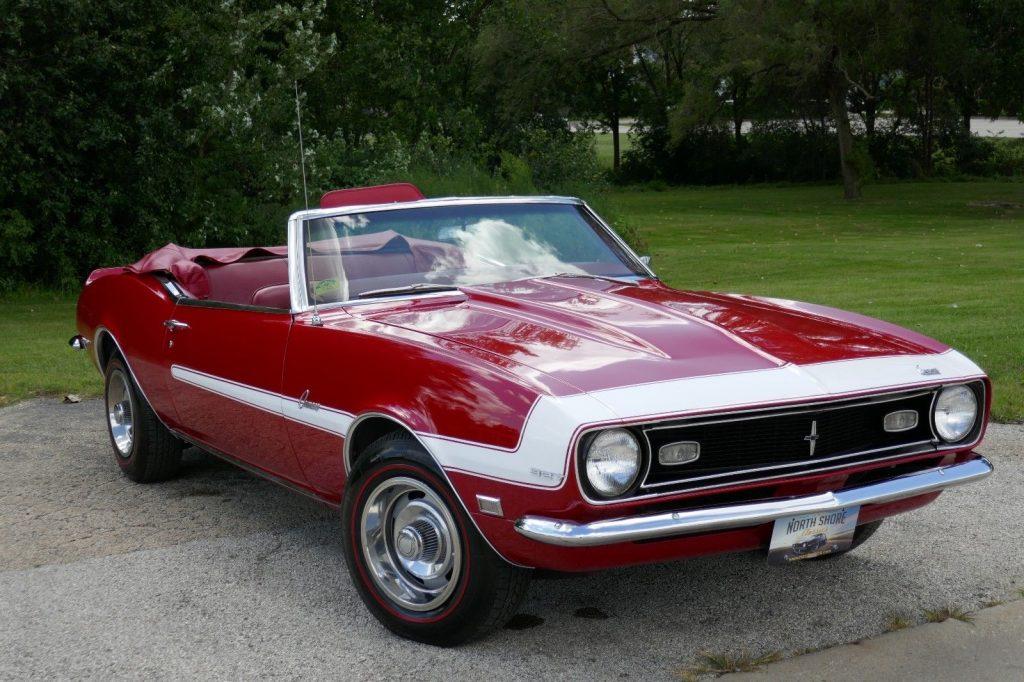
812,437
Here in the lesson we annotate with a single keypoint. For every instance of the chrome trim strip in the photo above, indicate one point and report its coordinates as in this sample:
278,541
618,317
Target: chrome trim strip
668,524
297,265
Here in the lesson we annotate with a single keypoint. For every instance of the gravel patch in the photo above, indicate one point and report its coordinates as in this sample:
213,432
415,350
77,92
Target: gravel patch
219,574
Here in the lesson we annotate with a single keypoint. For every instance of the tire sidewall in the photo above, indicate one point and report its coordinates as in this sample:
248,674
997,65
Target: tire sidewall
470,602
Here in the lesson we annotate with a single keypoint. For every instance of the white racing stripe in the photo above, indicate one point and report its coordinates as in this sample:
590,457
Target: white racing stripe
540,458
323,418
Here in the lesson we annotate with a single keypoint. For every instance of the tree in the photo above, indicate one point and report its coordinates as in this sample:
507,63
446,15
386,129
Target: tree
584,58
126,127
822,47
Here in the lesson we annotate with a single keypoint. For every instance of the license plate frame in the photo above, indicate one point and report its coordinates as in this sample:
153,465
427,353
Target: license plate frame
804,536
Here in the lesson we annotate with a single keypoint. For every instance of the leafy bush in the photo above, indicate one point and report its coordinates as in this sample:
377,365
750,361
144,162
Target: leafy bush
16,247
560,160
784,152
1008,157
770,152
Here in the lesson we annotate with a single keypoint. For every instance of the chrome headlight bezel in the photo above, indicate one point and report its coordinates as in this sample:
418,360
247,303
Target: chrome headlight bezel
610,463
947,397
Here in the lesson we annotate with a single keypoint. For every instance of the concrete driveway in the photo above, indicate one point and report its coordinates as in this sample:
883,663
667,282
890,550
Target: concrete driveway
219,574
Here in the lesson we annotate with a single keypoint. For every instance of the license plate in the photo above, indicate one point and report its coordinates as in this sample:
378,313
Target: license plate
809,535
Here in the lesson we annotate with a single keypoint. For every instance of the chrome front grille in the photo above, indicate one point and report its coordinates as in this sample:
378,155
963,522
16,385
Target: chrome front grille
787,441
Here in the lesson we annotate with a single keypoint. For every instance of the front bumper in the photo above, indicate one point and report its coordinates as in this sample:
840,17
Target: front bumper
669,524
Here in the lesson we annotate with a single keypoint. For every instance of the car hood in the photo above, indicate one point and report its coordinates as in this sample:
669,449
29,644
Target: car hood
595,334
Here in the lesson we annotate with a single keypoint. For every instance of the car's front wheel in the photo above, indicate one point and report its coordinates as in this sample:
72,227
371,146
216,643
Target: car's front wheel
419,564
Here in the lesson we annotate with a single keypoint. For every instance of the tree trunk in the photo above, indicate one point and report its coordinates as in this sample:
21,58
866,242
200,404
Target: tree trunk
927,135
737,116
616,154
851,179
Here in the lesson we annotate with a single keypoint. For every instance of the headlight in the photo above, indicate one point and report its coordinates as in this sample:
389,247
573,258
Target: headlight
613,461
956,410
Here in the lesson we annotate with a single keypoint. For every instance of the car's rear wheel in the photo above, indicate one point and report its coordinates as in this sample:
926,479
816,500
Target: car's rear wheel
143,447
860,536
417,560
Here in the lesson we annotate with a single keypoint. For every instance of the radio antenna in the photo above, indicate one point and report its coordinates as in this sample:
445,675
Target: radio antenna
302,151
315,321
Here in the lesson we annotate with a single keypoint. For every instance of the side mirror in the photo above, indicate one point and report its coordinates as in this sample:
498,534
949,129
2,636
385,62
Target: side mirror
646,260
78,342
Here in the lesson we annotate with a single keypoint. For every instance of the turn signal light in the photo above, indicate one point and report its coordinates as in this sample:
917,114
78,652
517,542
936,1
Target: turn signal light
678,453
903,420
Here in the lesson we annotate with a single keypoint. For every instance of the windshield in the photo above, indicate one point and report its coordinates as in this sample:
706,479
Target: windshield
391,252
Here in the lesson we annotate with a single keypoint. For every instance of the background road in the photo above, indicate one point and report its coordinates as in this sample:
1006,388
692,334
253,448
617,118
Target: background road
219,574
984,127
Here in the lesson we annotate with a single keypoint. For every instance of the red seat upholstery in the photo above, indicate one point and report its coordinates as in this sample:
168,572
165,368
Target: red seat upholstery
274,296
239,282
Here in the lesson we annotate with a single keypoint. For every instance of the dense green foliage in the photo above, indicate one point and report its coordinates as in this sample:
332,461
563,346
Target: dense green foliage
124,125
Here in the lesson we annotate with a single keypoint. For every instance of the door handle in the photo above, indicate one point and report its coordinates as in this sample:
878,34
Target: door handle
174,325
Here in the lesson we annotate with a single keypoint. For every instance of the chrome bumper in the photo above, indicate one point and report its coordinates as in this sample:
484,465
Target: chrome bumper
667,524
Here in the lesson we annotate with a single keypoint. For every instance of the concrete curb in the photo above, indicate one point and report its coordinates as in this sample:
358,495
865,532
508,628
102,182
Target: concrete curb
990,648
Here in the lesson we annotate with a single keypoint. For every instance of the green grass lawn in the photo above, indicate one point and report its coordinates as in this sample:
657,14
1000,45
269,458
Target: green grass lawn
946,259
34,355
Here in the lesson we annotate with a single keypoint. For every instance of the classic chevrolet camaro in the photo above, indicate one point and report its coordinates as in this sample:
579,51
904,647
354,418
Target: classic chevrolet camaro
486,386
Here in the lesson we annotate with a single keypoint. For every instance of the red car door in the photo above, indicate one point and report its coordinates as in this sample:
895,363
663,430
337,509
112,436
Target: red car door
225,377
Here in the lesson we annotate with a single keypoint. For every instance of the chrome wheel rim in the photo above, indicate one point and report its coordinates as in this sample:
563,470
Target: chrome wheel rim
411,544
120,414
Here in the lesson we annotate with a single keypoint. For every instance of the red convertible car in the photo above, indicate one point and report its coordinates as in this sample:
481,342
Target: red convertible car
486,386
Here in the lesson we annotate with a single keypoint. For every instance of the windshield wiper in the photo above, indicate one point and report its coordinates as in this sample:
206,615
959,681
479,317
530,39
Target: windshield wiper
587,275
411,288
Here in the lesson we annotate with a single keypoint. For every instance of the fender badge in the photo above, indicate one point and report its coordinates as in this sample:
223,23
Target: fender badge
549,475
929,371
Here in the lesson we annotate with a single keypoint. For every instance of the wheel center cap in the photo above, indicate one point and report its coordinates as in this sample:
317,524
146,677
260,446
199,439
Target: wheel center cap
410,543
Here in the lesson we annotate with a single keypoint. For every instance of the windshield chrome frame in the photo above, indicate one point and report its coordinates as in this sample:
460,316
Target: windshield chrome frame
297,254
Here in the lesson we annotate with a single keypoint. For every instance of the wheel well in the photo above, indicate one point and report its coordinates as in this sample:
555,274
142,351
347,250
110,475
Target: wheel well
105,349
366,431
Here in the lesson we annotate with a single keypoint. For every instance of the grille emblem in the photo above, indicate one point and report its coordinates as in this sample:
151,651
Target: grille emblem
812,437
